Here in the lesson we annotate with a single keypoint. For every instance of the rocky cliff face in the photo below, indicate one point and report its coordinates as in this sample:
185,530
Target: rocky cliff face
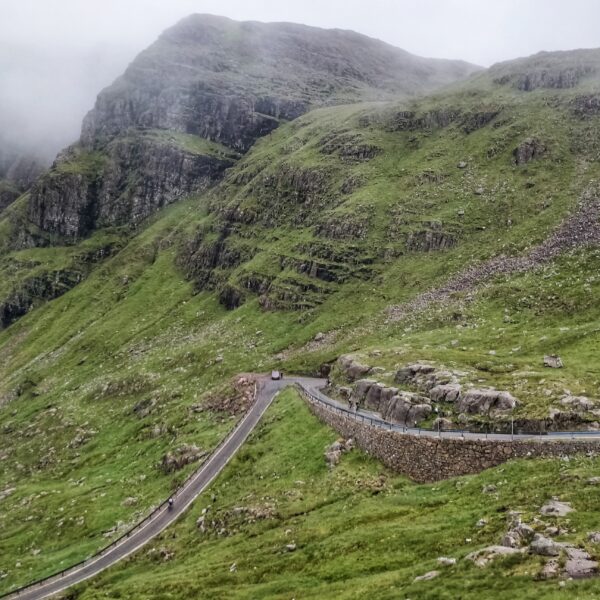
548,70
225,82
127,181
8,193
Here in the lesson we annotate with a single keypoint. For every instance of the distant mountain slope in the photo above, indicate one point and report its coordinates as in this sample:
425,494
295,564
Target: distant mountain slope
18,171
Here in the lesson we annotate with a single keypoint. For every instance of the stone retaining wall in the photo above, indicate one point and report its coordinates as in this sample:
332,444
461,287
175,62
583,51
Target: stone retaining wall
427,459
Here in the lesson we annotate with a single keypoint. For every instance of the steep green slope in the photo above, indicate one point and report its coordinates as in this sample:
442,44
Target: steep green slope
331,224
279,523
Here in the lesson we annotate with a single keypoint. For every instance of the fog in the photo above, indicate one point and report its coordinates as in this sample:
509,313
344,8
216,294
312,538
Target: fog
56,55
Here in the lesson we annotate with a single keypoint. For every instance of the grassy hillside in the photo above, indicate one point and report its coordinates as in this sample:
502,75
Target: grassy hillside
324,226
357,530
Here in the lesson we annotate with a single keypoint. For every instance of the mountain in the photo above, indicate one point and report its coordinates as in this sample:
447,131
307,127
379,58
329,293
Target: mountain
446,239
210,78
233,82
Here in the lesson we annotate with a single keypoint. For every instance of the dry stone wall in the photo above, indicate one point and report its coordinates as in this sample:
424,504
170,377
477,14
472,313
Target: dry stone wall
427,459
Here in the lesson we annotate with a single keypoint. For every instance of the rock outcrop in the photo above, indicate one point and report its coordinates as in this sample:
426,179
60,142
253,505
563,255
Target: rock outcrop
432,386
430,240
45,286
423,376
586,106
553,361
352,368
179,458
486,401
449,392
396,406
129,180
333,454
528,150
547,70
483,557
556,508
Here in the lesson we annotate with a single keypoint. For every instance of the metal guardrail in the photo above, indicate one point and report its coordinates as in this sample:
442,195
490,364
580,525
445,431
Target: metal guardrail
114,544
448,433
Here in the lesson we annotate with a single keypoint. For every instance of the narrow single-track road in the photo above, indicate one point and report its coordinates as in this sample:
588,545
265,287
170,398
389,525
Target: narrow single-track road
161,519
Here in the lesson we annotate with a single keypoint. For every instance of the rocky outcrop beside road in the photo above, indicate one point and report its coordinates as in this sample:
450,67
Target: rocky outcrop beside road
431,389
427,459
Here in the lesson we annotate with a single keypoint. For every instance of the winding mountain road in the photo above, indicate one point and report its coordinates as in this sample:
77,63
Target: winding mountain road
162,518
193,487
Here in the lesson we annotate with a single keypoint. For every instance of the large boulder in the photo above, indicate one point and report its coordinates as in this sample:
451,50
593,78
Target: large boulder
448,392
407,408
579,563
578,403
352,368
528,150
485,401
594,537
543,546
373,398
519,535
482,557
334,452
409,373
553,361
424,377
555,508
362,387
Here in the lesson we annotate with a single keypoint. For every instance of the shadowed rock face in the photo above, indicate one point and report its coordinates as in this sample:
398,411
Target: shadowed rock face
133,178
8,194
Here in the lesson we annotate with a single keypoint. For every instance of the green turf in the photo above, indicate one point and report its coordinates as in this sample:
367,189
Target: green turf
146,324
359,530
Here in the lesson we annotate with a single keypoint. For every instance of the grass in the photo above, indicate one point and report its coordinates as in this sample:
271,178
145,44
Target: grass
139,329
359,530
191,143
83,162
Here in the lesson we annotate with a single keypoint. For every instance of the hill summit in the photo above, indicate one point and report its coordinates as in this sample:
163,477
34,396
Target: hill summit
232,82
